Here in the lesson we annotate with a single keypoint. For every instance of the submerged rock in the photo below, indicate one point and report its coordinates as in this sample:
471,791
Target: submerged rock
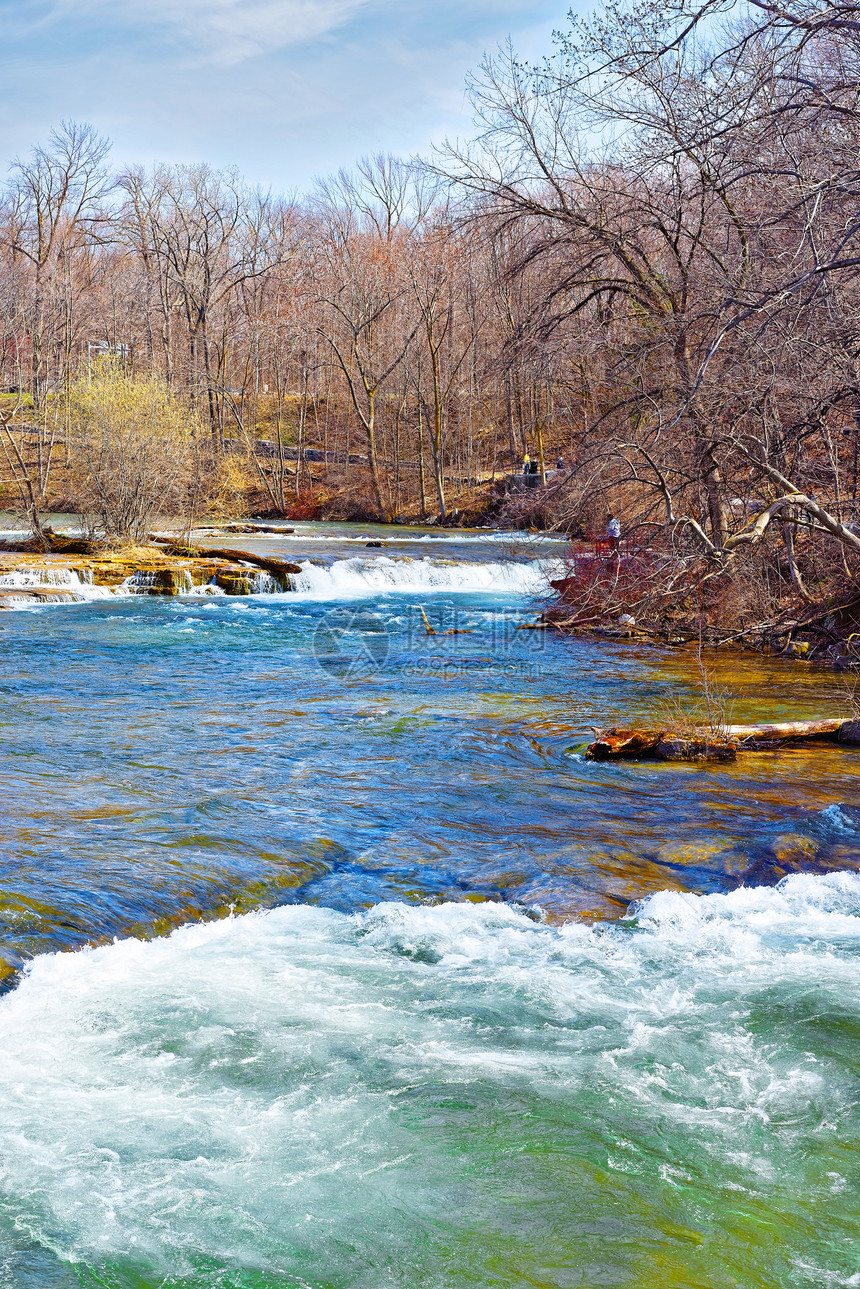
793,848
797,853
714,856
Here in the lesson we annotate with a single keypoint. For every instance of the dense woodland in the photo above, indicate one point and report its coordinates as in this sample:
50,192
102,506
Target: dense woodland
646,262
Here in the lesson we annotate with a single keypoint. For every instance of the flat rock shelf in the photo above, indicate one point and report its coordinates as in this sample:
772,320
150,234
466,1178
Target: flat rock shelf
28,578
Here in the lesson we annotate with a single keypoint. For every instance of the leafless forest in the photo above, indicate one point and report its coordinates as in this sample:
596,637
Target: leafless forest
646,263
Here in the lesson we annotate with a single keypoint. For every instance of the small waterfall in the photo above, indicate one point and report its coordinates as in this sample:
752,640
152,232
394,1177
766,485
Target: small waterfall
149,582
69,584
26,586
167,581
250,581
38,577
262,583
361,576
328,580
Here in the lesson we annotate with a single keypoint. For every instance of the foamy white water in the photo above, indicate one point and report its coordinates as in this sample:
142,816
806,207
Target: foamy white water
340,579
72,586
372,1100
360,576
69,586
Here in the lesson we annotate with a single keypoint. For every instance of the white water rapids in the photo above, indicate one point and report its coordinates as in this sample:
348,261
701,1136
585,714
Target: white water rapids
358,1100
361,576
338,579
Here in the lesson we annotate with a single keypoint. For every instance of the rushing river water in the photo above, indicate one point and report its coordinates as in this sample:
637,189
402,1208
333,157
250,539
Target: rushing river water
431,1048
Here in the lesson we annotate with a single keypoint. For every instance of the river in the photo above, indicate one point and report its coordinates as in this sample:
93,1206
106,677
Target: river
377,981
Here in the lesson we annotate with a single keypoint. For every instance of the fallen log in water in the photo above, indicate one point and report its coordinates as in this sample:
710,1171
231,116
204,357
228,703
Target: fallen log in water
784,731
659,745
721,744
452,631
279,568
252,527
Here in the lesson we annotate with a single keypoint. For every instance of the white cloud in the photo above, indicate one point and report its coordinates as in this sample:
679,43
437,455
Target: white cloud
220,31
283,89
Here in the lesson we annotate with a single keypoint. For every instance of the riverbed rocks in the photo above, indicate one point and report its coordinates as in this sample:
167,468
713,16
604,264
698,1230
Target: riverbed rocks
795,853
233,581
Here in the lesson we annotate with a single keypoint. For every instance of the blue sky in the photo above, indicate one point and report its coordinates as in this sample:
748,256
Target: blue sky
283,89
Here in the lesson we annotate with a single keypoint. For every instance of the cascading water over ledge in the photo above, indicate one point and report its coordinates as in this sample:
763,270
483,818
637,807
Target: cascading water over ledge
361,576
22,586
203,571
28,587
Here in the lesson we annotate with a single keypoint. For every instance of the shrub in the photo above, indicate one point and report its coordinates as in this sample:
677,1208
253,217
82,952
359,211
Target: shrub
133,446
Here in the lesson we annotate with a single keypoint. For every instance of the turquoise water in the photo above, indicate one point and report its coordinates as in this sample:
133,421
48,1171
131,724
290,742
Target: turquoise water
439,1052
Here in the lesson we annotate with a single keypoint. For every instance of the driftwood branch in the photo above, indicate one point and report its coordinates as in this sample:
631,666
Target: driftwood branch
718,744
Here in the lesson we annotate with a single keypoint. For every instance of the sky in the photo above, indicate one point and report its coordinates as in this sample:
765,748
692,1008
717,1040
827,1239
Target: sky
285,90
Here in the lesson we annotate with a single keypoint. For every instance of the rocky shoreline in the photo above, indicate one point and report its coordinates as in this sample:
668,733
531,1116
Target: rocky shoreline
840,652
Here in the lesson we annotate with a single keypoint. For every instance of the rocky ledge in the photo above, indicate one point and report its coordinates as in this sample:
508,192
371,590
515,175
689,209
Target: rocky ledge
75,570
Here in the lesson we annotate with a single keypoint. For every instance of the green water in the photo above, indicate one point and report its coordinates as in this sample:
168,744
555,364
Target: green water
446,1096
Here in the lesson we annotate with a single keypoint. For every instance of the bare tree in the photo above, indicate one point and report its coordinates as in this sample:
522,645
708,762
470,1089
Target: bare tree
204,234
366,324
54,207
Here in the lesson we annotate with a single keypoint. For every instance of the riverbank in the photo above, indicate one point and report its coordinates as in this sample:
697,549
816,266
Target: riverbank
673,601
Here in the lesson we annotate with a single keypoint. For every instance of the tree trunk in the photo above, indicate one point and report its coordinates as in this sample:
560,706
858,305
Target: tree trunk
436,437
421,480
370,433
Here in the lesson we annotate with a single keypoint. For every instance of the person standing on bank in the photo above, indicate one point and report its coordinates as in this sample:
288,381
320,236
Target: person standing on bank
613,531
526,463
